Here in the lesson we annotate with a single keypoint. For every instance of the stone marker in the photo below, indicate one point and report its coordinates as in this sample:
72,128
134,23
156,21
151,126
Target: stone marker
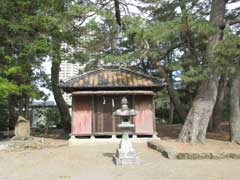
22,129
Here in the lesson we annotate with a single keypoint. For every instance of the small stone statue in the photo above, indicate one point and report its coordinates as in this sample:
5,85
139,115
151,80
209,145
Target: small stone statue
22,129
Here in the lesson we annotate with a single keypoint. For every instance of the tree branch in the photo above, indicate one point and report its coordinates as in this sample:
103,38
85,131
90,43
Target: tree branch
171,49
233,22
117,12
84,18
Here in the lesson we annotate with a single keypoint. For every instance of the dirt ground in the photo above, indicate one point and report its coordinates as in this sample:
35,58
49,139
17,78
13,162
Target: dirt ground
171,131
90,162
57,161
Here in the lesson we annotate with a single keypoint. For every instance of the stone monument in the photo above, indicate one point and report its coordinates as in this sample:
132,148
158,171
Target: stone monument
125,154
22,129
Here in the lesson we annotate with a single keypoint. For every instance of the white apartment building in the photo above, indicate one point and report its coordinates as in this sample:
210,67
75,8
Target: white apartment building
68,70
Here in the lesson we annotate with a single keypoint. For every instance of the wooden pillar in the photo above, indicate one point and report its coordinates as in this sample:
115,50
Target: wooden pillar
154,115
72,113
134,119
93,116
113,117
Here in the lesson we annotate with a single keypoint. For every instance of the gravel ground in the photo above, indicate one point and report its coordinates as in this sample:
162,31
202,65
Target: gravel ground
90,162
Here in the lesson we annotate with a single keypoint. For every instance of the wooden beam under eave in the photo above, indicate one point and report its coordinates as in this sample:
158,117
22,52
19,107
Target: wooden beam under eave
135,92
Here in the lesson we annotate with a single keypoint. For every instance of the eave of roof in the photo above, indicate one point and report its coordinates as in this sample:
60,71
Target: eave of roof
157,84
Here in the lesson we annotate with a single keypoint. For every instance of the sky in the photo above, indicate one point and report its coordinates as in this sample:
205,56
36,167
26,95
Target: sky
46,66
233,5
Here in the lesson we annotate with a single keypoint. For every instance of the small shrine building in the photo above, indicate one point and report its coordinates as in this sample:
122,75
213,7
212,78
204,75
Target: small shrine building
97,94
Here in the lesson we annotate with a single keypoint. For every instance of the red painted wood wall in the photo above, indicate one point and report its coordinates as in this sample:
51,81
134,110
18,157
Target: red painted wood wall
81,115
145,115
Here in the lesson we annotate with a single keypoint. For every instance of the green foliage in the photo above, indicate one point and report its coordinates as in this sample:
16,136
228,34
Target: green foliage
228,53
7,88
31,30
194,74
52,117
163,31
202,28
4,115
22,46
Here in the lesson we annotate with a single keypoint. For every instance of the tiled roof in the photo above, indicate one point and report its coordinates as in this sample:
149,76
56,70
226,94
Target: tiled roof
111,78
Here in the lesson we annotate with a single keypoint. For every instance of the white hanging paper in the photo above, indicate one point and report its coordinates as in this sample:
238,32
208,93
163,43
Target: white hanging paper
113,103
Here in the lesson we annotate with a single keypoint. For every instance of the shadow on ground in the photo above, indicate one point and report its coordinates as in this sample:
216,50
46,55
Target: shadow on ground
109,155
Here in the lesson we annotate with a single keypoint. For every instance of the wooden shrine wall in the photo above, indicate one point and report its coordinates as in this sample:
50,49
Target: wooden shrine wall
95,116
81,115
104,106
144,120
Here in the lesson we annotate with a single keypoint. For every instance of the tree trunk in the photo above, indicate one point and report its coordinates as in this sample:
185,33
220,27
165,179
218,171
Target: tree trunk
173,95
61,104
26,115
195,126
217,115
55,69
176,101
235,109
12,112
20,105
171,113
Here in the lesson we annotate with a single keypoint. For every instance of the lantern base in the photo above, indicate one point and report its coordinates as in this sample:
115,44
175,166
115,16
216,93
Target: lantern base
126,161
126,154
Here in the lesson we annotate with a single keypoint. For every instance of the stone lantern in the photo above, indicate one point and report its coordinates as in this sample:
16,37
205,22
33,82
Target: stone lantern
125,153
